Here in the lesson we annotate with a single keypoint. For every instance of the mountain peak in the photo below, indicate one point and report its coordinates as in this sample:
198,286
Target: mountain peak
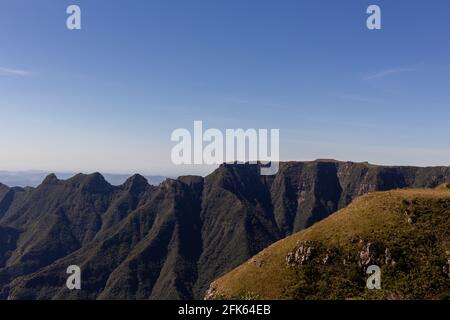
201,228
136,183
136,178
94,182
50,179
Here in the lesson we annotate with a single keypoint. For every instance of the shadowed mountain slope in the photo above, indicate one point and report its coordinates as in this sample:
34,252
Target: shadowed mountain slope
137,241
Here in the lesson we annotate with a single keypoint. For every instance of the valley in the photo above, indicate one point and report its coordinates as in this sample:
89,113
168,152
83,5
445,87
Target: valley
137,241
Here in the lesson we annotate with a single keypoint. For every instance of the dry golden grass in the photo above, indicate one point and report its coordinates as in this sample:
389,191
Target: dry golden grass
377,216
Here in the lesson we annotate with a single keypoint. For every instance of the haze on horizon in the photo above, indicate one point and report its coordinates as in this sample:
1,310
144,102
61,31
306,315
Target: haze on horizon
107,98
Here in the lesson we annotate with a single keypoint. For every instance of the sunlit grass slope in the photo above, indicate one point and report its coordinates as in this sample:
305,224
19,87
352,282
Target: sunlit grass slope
405,232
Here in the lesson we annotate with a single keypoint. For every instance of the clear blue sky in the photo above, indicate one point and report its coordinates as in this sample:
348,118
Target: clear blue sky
107,98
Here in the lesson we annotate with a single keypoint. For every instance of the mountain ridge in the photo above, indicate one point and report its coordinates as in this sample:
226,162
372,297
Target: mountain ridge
34,178
137,241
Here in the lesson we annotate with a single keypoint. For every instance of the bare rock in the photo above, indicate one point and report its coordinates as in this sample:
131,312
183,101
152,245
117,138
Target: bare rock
446,268
388,258
302,254
290,259
369,254
210,293
329,256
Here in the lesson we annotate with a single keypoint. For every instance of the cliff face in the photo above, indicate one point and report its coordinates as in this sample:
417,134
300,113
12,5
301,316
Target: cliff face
404,233
304,193
137,241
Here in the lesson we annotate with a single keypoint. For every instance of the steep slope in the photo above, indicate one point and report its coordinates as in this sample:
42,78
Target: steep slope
405,232
7,197
136,241
3,190
129,260
56,219
306,192
237,221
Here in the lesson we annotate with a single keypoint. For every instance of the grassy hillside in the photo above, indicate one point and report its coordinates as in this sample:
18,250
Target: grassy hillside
136,241
405,232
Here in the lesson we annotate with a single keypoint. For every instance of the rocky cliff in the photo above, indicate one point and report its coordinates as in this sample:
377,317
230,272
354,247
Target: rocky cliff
138,241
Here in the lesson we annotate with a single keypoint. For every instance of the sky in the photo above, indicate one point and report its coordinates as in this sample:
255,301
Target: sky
107,97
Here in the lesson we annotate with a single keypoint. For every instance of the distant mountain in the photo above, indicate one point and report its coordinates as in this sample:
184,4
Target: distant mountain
34,178
137,241
404,232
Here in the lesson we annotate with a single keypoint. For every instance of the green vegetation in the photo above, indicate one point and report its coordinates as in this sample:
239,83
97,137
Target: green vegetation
405,232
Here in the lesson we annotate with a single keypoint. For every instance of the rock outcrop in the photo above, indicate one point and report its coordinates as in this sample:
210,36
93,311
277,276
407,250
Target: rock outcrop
138,241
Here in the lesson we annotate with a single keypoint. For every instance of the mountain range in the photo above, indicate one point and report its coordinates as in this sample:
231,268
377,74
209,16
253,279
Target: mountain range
33,178
138,241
